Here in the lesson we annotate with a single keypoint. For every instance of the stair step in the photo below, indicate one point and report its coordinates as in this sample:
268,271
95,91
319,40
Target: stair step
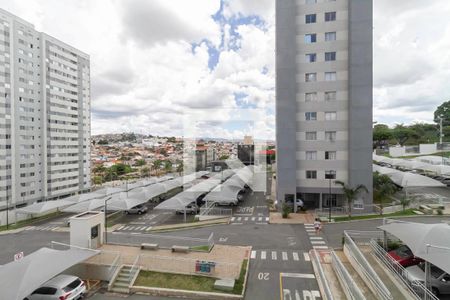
121,284
120,290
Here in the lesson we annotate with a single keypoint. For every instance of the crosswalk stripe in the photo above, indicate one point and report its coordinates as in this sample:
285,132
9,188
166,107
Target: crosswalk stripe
285,256
238,219
233,218
260,219
246,219
318,242
253,255
295,256
121,227
320,247
253,218
267,219
306,256
316,238
263,254
274,255
308,224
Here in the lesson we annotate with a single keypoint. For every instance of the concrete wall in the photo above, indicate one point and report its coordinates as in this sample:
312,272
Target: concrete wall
360,94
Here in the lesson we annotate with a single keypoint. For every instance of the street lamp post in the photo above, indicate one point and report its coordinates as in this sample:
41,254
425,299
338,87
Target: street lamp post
106,211
7,207
329,200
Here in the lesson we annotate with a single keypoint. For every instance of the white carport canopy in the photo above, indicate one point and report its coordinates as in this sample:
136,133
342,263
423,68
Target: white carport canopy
235,180
20,278
442,170
407,179
84,197
154,190
432,159
86,205
223,193
43,207
110,190
384,170
411,164
430,242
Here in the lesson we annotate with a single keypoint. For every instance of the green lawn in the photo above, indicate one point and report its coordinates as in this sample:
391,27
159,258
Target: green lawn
407,212
204,248
28,222
187,282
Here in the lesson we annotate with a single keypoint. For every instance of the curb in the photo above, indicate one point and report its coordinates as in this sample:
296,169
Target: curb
141,290
12,231
397,217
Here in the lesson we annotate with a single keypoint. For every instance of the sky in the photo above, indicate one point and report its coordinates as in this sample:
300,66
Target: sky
153,62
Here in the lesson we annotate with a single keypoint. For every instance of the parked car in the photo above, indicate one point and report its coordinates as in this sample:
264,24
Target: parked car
299,202
190,209
138,209
404,256
229,202
61,287
439,280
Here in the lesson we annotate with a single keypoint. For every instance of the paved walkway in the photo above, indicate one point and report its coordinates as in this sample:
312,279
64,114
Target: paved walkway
297,218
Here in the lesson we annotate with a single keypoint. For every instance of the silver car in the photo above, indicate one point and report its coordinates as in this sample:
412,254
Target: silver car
138,209
190,209
65,287
439,280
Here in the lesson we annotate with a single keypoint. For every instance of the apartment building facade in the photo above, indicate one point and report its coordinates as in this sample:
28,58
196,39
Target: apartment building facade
324,100
44,115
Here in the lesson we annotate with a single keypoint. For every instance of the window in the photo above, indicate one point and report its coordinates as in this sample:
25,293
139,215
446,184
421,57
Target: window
330,56
330,16
310,18
330,76
311,174
310,77
330,174
311,116
311,155
310,57
330,116
309,97
311,136
330,136
330,96
310,38
330,155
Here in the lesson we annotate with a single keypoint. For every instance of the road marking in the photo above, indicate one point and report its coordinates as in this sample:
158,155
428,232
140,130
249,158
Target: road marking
306,256
246,219
238,219
31,228
237,223
274,255
260,219
318,242
295,256
135,233
267,219
253,255
316,238
263,254
233,218
308,224
149,228
121,227
298,275
253,219
285,256
320,247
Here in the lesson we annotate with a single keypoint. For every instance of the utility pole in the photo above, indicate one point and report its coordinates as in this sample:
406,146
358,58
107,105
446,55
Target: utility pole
440,139
7,207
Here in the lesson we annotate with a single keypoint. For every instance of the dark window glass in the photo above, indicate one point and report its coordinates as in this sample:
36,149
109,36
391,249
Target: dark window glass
330,56
330,16
310,18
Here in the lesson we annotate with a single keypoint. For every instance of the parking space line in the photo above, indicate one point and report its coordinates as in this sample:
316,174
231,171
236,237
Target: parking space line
306,256
274,255
298,275
285,256
295,256
253,255
263,254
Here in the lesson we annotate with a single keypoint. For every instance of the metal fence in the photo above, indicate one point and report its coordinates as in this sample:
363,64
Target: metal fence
348,284
163,241
368,272
416,288
323,279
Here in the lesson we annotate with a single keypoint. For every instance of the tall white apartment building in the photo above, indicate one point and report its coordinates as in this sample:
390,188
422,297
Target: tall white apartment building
44,115
324,100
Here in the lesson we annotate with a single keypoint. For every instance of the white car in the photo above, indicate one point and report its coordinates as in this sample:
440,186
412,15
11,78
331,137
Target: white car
61,287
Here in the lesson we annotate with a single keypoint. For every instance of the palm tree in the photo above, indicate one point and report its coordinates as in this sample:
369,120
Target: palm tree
383,189
351,194
405,201
168,166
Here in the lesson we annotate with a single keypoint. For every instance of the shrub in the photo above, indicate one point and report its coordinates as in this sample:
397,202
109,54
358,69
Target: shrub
439,211
286,210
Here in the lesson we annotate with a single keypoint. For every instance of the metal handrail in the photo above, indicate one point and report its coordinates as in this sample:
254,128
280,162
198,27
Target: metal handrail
365,267
347,281
323,279
133,268
416,288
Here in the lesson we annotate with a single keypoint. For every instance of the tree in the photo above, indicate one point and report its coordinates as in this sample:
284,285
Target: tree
381,135
224,157
383,189
97,180
405,201
402,133
120,169
99,169
351,194
102,142
443,111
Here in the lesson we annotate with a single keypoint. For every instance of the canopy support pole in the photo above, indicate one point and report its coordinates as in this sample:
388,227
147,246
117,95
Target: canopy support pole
427,279
185,214
385,242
